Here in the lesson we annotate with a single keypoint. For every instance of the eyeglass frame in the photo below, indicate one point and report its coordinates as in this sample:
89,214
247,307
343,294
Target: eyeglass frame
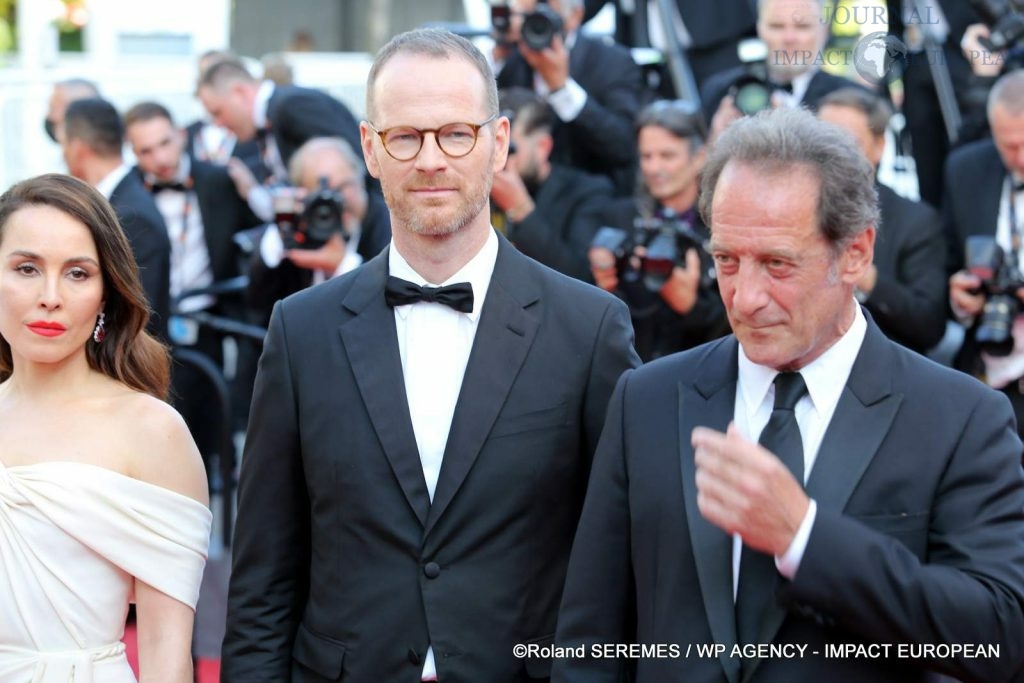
422,132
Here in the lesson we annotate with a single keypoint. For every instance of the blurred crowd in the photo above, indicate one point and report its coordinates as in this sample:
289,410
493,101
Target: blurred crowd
268,194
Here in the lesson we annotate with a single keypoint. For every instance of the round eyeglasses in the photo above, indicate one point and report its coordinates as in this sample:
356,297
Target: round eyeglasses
403,143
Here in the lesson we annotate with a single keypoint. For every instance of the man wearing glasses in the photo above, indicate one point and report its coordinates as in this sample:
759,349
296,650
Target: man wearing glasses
422,427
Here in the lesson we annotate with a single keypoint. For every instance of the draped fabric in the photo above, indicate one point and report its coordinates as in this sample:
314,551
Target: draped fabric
72,537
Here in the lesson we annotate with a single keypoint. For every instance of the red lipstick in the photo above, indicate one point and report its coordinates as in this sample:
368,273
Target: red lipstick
46,328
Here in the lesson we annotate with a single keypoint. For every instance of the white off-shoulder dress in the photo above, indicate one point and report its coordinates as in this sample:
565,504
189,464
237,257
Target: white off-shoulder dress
72,537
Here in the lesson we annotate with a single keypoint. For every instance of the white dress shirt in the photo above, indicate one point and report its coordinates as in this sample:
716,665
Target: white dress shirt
755,399
434,342
190,257
110,181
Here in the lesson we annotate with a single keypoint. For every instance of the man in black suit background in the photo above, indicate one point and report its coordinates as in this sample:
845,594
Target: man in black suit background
422,427
983,198
594,87
905,288
806,482
202,212
281,118
794,32
91,139
550,209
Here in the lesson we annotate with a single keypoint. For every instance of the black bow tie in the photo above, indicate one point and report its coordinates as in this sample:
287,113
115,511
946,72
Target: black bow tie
787,87
157,188
400,292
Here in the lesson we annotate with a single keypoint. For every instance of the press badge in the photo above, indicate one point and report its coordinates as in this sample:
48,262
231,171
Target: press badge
183,331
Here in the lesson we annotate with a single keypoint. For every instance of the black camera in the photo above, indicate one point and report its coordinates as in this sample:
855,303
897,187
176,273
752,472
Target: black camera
538,29
665,241
311,223
1000,281
1005,19
752,91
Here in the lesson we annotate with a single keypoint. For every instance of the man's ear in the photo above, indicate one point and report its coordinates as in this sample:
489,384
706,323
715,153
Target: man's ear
858,256
368,140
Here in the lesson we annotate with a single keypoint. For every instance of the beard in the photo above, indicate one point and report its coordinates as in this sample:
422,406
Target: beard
432,222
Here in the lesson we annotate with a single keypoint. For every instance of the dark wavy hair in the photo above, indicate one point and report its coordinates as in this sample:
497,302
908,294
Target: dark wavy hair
128,353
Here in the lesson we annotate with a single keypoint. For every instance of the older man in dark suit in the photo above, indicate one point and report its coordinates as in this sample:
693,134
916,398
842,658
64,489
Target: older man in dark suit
422,427
983,198
806,482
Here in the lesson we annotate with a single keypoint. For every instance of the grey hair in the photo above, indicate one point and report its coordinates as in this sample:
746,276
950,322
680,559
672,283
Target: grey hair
314,145
438,44
1008,92
781,140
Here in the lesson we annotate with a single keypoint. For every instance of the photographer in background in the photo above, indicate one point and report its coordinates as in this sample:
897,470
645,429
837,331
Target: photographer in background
984,208
651,254
333,191
791,30
594,87
549,208
905,286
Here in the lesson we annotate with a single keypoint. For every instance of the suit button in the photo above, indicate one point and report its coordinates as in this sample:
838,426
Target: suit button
413,657
432,570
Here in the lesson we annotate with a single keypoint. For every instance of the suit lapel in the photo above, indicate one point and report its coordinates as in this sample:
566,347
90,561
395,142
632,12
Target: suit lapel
711,402
371,342
861,421
504,335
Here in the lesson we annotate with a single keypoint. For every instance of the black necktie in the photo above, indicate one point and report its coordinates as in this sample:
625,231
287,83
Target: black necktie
400,292
758,574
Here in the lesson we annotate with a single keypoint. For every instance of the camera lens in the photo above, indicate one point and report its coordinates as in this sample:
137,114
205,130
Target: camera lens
752,97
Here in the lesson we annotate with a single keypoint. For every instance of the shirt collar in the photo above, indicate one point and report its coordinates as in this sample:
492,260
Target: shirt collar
825,376
259,105
110,182
477,272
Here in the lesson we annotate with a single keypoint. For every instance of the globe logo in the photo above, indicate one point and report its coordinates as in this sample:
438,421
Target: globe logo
880,58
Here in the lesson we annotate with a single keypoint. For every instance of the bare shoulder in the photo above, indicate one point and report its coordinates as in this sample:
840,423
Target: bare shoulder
161,448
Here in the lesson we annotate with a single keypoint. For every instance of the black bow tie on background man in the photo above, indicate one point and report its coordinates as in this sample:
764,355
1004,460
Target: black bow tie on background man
400,292
157,188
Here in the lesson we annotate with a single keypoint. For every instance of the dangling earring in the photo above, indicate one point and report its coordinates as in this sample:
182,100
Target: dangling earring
99,334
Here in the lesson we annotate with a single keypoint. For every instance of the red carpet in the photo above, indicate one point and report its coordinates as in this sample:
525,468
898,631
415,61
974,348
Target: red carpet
207,670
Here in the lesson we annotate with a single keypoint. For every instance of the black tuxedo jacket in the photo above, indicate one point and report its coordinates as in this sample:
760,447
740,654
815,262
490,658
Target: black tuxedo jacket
147,233
910,298
918,538
822,83
974,178
224,214
559,230
296,114
602,139
268,285
343,568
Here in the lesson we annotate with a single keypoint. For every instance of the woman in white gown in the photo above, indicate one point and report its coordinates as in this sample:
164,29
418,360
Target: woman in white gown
103,496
